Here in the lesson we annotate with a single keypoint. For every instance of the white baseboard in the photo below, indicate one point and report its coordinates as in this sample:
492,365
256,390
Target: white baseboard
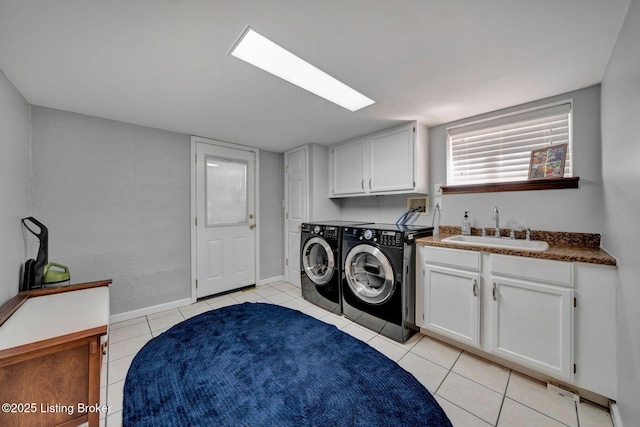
121,317
615,415
270,280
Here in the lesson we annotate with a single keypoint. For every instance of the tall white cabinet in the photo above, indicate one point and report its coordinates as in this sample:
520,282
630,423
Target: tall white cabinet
305,179
393,161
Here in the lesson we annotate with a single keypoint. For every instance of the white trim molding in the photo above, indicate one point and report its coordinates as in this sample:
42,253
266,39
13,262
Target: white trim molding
615,415
269,280
121,317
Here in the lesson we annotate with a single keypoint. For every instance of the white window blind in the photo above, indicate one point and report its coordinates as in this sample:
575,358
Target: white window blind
499,149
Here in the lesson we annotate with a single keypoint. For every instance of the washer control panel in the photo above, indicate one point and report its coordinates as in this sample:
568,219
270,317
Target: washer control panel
331,232
327,231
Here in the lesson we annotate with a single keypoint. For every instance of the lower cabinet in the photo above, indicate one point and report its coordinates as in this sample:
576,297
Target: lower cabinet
532,324
553,317
451,303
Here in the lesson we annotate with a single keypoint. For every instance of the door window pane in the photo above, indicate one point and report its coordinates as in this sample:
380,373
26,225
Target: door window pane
226,192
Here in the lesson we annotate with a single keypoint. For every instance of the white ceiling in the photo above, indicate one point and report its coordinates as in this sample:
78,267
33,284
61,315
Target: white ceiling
165,63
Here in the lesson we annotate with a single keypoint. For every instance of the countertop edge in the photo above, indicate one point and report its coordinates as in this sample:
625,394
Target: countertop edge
555,252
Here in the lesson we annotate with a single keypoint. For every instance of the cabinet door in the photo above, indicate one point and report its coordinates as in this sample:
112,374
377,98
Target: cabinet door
349,168
391,156
451,303
533,325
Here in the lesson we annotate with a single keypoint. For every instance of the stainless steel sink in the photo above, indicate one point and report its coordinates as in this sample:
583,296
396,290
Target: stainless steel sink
499,242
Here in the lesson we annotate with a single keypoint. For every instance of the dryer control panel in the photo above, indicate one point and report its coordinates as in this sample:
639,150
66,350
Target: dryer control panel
382,237
390,238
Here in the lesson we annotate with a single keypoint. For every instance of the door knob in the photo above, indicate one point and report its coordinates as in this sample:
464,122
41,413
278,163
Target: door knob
299,226
252,226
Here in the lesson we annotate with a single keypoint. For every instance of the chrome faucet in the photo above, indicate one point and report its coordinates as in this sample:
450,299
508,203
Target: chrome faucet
496,217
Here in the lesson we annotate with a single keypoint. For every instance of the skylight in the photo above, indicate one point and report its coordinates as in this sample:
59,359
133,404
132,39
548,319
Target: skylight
261,52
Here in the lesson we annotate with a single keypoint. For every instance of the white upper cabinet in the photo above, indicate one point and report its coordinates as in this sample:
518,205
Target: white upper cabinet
393,161
391,165
349,168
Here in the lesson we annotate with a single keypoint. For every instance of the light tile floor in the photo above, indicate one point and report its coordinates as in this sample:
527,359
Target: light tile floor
472,391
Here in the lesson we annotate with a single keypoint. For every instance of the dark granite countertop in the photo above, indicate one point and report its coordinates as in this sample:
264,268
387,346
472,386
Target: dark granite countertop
563,246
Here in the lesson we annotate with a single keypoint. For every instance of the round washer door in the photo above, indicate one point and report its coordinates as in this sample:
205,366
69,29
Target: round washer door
318,260
369,274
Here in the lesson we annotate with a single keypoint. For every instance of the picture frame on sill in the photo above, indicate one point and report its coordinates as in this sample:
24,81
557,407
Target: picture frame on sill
548,162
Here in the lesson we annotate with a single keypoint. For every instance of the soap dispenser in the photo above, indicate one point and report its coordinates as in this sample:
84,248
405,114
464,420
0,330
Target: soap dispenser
466,225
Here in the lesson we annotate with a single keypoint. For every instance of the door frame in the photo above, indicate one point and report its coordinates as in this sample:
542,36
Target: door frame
194,236
287,249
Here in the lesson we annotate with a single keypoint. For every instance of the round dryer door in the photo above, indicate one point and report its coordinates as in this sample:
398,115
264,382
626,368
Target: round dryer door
318,260
369,274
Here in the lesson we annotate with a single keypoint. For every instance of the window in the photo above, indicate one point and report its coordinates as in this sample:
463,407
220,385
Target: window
498,149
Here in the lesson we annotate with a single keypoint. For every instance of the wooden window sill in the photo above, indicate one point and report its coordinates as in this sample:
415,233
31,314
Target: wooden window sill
537,184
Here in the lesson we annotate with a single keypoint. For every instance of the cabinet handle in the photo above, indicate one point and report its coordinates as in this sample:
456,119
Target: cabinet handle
369,183
475,287
362,184
494,292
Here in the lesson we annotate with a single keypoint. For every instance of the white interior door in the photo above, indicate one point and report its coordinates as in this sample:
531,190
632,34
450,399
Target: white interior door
225,228
296,196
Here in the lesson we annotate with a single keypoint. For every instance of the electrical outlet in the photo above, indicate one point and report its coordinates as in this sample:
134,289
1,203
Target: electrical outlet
437,202
437,189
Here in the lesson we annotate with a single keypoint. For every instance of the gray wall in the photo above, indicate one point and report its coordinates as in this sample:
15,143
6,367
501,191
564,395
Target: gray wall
621,171
576,210
15,186
116,200
271,214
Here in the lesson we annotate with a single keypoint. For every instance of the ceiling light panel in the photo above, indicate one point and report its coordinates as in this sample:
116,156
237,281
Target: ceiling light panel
261,52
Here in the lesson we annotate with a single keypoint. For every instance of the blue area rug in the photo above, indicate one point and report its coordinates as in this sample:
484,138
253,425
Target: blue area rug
258,364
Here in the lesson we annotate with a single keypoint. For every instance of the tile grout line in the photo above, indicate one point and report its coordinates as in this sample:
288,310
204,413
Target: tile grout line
464,409
541,413
504,396
446,376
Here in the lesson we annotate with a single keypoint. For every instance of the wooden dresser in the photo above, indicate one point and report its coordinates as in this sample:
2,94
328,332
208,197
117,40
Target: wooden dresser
51,346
